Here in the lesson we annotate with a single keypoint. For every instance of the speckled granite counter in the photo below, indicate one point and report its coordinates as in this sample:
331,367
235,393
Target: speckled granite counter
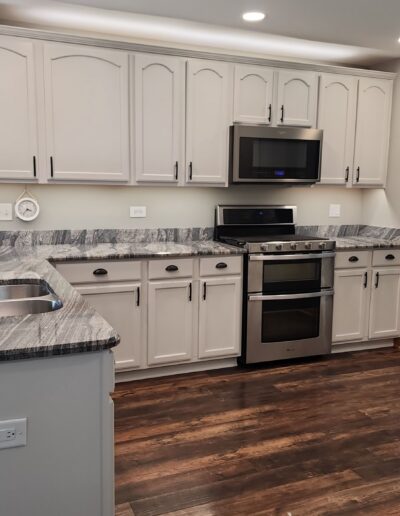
365,243
76,327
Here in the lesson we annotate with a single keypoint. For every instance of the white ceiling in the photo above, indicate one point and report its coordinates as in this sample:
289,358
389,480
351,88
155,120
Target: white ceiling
371,24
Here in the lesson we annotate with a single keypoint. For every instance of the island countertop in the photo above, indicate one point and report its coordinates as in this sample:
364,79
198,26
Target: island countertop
76,327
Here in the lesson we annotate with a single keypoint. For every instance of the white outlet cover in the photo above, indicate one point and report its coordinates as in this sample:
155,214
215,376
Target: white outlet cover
13,433
137,211
334,210
6,211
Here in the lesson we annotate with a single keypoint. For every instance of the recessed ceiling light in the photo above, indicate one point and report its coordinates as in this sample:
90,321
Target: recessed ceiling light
253,16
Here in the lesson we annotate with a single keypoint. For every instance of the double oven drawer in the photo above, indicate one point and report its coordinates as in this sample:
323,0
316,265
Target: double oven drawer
289,305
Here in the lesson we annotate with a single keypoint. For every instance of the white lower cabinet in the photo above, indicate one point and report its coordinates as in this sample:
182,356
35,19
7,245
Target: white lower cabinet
168,312
120,305
220,317
385,303
350,305
367,298
170,321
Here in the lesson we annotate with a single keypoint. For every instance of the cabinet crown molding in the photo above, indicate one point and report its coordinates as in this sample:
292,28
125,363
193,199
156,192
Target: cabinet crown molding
39,34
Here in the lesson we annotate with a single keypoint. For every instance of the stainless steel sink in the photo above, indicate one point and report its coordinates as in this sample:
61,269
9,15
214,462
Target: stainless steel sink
18,299
28,306
23,290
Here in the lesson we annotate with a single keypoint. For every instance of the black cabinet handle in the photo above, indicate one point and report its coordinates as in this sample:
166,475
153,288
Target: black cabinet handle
204,291
171,268
138,297
365,279
190,171
176,170
282,113
377,280
358,174
347,174
221,265
270,113
51,167
100,272
190,291
389,257
353,259
34,166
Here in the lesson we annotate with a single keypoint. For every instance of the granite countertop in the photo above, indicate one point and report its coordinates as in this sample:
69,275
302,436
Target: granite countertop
365,243
76,327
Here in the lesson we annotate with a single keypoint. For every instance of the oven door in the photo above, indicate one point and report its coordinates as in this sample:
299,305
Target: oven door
275,155
290,273
288,326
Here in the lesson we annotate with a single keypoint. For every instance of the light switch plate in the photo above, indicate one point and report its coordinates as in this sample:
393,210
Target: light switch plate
334,210
12,433
137,211
6,211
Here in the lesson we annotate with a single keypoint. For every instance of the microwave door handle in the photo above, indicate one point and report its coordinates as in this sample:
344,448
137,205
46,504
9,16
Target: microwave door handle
284,297
288,257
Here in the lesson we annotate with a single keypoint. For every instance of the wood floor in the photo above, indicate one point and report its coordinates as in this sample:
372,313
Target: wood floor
316,437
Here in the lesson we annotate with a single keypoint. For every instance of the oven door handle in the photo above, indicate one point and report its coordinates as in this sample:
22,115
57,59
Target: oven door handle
283,297
288,257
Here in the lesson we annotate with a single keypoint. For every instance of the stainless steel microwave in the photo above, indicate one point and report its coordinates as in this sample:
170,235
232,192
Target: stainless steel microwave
260,154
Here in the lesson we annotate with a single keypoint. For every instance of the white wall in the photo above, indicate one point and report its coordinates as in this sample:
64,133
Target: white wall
79,207
382,207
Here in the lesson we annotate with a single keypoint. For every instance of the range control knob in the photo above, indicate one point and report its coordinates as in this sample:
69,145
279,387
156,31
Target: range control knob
278,247
322,245
307,245
293,246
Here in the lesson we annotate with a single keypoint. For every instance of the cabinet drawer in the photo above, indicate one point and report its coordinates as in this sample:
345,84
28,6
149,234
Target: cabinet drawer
352,259
171,268
95,272
386,257
220,265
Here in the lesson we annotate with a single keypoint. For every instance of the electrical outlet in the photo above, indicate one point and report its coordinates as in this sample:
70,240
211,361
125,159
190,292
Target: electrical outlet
334,210
137,211
6,211
13,433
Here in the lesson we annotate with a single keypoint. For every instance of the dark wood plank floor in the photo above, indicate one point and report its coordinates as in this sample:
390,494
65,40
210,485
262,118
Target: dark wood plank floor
316,437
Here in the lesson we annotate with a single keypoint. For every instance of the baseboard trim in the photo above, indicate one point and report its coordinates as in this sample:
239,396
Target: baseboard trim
158,372
360,346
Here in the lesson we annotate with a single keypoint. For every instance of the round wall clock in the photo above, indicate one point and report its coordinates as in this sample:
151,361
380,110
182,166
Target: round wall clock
27,209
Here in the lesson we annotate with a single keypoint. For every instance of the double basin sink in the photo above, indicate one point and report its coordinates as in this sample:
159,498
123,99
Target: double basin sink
19,299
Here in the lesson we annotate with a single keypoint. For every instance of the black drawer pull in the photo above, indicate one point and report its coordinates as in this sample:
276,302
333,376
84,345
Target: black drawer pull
100,272
353,259
171,268
221,265
389,257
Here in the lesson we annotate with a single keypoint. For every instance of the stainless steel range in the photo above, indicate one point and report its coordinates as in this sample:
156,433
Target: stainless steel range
288,284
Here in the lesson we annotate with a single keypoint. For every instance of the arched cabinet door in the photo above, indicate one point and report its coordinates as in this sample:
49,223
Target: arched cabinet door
18,126
209,115
297,98
372,131
159,117
87,119
337,118
253,94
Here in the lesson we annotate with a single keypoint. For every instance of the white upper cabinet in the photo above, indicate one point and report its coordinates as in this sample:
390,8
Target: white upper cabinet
337,118
253,87
159,100
18,127
87,119
209,115
372,131
297,98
